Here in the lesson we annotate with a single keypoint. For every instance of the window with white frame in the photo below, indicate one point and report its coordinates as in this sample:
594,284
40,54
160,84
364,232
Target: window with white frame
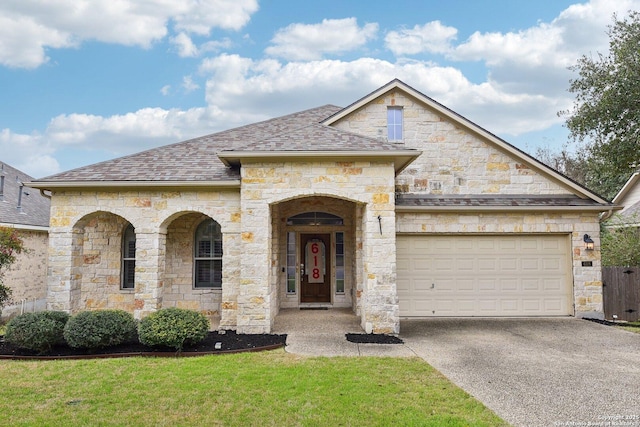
128,258
394,124
208,255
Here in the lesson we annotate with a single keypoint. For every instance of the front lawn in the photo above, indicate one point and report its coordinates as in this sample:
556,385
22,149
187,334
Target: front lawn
631,326
249,389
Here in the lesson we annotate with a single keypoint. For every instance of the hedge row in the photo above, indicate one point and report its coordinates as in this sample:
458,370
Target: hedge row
169,327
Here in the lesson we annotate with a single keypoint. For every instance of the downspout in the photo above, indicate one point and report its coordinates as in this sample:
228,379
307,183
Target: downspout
606,215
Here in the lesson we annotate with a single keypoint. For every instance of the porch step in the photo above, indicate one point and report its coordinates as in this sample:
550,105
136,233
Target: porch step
312,306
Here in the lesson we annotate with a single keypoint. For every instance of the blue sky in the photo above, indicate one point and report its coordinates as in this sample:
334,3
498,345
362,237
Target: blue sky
83,81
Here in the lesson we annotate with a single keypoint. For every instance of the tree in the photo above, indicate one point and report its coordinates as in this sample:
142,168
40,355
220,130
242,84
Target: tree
620,242
606,111
572,165
10,246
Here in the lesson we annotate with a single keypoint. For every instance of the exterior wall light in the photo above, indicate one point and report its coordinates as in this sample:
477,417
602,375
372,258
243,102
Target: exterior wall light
588,242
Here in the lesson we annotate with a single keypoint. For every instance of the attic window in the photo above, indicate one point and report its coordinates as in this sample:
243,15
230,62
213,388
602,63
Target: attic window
315,218
394,124
1,187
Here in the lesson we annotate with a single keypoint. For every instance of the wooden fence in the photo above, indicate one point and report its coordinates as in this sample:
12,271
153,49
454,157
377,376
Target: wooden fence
621,293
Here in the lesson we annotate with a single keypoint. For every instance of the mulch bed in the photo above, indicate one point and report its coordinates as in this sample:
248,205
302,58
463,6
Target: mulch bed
609,323
229,342
373,339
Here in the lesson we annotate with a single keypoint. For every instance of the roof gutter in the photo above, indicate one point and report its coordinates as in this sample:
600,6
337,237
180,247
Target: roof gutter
50,185
458,208
401,158
25,227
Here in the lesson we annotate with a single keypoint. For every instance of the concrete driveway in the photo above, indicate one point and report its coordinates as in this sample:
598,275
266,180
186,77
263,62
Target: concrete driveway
537,372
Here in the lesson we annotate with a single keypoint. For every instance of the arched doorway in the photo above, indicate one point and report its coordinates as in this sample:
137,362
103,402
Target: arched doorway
316,251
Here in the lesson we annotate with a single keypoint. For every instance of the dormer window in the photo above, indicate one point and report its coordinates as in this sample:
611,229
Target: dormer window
394,124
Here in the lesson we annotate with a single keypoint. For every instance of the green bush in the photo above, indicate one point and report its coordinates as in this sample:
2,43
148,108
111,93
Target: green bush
173,327
96,329
37,331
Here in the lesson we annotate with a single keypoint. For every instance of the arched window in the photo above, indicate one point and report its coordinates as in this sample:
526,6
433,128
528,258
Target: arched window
207,257
315,218
128,258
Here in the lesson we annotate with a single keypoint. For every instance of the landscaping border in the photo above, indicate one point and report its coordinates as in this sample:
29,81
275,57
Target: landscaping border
143,354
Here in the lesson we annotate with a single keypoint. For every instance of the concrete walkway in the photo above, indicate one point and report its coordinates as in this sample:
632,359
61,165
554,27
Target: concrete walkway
531,372
322,333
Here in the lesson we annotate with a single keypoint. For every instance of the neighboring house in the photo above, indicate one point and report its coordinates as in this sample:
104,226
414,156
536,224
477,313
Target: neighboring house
394,206
629,198
26,210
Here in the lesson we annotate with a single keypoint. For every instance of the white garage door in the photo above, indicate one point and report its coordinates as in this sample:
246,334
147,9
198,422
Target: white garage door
516,275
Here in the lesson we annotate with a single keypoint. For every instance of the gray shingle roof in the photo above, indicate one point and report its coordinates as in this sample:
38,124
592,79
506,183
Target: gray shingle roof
318,137
631,214
34,210
497,201
197,159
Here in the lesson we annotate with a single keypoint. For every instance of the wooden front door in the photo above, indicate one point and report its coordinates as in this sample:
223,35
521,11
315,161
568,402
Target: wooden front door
315,258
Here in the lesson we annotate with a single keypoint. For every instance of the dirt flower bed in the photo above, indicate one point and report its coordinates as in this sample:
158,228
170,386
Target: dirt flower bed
216,342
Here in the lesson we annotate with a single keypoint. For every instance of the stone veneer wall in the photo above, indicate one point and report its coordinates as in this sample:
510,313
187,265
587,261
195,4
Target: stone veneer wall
178,278
76,264
101,263
364,183
27,277
453,161
587,281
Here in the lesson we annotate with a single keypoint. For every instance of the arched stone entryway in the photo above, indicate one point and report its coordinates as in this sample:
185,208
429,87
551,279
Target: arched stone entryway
335,225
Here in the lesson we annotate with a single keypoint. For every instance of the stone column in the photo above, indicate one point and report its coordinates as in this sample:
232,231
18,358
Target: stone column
380,310
63,272
254,299
231,258
149,275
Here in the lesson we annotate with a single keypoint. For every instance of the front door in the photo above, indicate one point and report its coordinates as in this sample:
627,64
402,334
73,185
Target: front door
315,268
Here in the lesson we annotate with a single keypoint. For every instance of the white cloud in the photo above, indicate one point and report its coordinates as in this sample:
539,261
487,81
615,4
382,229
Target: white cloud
312,41
22,41
28,153
432,37
525,85
165,90
241,84
535,60
188,84
184,45
199,16
29,27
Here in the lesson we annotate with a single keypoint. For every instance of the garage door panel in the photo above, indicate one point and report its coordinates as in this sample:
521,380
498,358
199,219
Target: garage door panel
509,285
516,275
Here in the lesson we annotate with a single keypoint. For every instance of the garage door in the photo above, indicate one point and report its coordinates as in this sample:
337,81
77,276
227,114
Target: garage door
516,275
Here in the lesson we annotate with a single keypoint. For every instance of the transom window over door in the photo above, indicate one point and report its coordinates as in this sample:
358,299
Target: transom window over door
208,255
315,218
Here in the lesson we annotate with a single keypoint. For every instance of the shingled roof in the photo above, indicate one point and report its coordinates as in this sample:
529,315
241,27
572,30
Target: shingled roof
494,202
197,159
32,209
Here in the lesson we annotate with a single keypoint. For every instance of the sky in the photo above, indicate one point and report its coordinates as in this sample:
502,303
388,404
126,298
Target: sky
83,81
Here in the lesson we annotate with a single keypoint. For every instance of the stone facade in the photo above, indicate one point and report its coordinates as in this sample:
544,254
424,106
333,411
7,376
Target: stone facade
458,159
453,161
27,277
86,240
367,184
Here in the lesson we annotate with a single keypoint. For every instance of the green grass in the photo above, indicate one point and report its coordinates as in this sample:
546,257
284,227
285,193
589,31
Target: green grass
631,326
250,389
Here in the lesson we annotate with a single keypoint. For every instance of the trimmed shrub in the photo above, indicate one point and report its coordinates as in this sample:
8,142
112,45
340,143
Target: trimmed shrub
173,327
37,331
98,329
